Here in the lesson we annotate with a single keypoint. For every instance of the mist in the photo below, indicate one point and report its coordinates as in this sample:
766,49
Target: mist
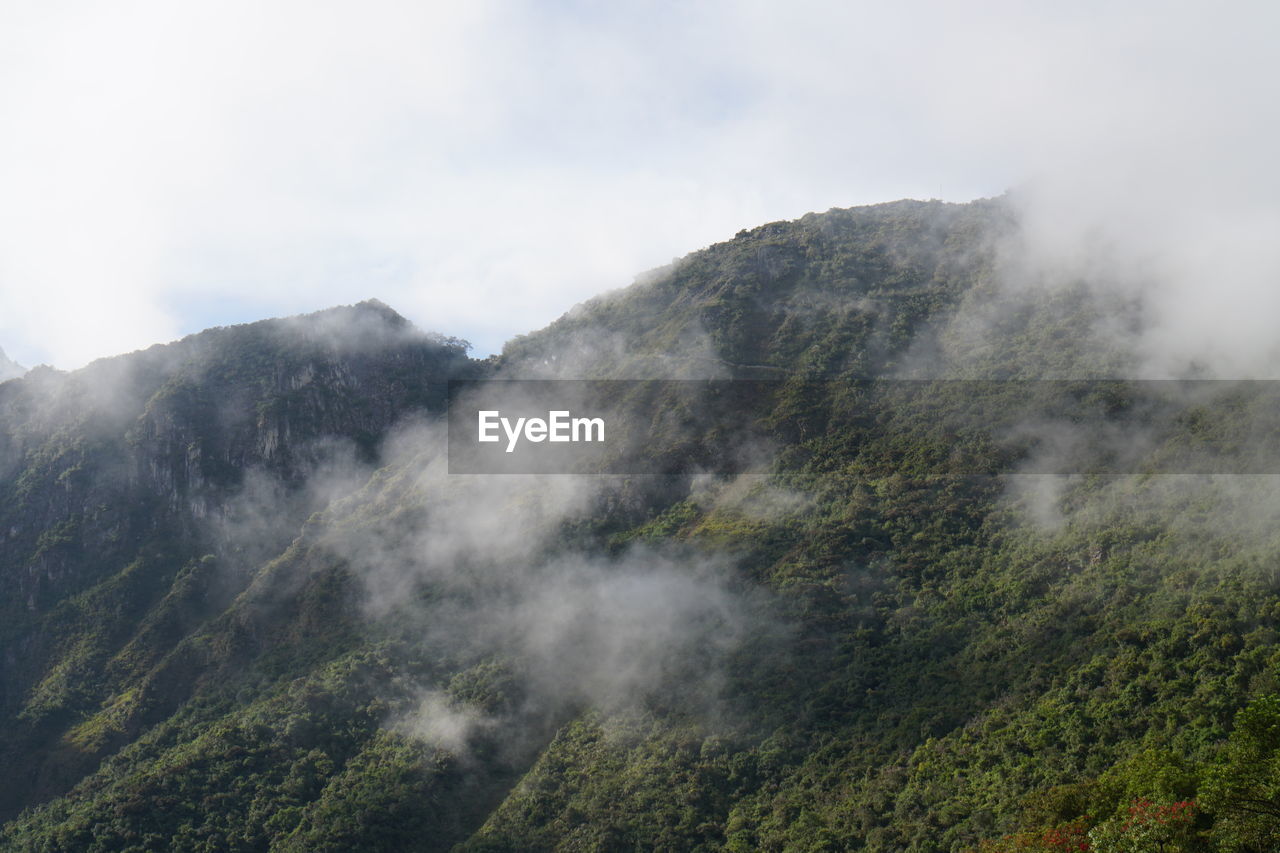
484,168
490,568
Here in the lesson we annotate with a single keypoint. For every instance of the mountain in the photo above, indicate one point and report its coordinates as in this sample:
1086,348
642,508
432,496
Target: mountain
248,607
9,369
121,477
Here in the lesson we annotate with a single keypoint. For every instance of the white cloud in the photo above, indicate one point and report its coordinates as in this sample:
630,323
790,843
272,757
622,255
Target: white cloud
482,166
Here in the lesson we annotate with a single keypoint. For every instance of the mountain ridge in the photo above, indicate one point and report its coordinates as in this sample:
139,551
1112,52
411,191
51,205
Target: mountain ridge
248,609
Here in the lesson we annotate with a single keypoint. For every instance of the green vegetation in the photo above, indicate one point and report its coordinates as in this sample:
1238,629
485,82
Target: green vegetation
910,656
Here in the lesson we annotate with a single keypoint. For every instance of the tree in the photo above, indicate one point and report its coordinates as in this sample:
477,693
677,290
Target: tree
1243,788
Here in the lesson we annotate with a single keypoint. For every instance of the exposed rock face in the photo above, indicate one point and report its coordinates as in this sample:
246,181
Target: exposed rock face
125,467
175,428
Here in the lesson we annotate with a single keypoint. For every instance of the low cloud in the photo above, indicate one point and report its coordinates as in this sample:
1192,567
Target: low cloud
483,167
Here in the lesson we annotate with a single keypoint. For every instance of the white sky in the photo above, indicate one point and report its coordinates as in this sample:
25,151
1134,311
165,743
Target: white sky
481,166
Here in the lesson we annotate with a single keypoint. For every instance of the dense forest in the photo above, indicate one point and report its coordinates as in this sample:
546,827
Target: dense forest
247,607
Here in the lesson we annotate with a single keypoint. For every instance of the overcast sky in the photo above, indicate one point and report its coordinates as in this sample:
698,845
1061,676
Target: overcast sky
483,166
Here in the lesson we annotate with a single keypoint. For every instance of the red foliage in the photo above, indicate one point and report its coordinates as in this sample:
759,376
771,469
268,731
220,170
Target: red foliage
1143,812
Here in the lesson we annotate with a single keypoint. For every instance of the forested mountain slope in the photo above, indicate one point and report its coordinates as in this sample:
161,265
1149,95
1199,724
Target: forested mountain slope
247,608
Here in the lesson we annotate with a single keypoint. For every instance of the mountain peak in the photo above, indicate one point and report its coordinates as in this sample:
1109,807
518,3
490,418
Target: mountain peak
368,326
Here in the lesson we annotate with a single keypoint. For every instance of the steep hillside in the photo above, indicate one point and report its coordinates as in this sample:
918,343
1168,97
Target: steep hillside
839,294
126,481
247,608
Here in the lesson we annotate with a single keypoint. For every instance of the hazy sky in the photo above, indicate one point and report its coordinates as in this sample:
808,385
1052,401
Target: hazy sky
482,166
